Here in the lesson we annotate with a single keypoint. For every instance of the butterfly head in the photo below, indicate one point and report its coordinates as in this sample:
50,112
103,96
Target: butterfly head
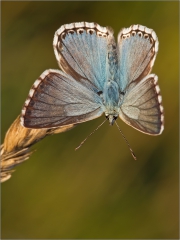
111,118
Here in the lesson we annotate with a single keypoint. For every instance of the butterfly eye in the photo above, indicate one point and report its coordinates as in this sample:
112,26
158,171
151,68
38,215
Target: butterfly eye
115,117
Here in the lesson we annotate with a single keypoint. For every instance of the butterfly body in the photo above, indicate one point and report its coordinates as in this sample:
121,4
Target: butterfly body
98,76
111,101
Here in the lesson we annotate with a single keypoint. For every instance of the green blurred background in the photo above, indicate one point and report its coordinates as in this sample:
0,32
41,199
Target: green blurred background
98,191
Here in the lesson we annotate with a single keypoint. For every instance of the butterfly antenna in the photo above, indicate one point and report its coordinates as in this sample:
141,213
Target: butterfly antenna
90,135
132,153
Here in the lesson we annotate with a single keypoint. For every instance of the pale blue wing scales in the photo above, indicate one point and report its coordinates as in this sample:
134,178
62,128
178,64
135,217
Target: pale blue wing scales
137,50
94,68
56,99
142,106
81,51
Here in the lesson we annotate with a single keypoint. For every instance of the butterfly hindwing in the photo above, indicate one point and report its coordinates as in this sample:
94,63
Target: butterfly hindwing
142,107
56,99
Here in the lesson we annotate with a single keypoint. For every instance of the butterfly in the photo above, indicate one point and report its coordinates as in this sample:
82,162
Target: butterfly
98,76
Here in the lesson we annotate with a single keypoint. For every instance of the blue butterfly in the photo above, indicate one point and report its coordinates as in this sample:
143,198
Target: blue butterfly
98,76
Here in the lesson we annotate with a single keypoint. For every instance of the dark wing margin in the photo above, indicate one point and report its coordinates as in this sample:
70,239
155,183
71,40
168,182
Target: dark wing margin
56,99
142,107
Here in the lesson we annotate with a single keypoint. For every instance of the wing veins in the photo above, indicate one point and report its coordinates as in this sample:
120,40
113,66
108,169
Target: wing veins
143,102
53,105
154,123
51,83
144,93
74,59
51,95
65,116
141,64
74,86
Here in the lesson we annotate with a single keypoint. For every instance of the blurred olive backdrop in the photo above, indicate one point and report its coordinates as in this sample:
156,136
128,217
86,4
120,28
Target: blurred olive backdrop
98,191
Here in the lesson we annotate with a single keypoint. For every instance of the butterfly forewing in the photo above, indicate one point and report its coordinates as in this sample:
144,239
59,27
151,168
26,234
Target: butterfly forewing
81,51
137,49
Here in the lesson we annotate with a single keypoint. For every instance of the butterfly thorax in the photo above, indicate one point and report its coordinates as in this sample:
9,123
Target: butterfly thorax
112,102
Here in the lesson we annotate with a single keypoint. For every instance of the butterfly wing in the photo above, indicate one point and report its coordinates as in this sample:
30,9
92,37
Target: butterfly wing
56,99
81,51
137,50
142,107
